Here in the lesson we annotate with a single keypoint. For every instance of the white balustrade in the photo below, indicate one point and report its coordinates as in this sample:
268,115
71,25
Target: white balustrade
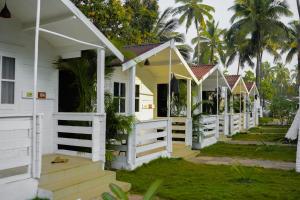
208,132
80,134
182,130
20,149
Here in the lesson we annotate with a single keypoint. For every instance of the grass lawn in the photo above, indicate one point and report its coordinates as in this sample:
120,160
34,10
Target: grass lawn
265,152
269,129
187,181
279,137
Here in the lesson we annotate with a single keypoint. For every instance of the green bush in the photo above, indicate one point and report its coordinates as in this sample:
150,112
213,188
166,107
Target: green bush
265,120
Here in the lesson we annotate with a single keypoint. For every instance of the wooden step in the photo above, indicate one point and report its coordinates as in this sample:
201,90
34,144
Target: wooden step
87,189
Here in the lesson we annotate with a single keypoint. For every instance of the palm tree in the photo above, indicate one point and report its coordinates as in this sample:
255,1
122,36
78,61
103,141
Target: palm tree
291,46
282,77
238,47
261,20
165,30
212,38
193,11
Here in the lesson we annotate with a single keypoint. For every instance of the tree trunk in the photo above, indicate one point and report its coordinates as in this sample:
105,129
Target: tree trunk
239,65
257,71
212,55
198,47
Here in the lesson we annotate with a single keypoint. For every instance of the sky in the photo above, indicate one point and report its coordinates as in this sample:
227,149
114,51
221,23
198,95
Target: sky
222,15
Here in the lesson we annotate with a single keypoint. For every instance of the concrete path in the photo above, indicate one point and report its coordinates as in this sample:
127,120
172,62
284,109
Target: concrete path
257,143
245,162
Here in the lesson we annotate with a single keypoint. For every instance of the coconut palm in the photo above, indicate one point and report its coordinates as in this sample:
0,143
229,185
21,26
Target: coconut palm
282,76
239,48
212,38
165,30
260,19
291,46
193,11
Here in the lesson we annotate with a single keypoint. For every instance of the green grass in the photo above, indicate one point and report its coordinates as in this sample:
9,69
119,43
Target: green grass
269,129
187,181
279,137
265,152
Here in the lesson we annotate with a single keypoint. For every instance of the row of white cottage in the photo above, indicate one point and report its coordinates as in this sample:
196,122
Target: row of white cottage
40,32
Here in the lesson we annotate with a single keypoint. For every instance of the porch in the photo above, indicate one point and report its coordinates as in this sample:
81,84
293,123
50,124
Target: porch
150,99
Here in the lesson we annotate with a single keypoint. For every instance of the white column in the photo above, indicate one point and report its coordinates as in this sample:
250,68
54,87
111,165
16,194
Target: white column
188,123
35,77
100,80
131,153
218,123
200,95
169,83
245,111
226,117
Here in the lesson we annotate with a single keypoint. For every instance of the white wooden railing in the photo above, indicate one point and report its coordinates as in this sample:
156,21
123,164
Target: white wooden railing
234,123
221,123
80,134
208,131
149,140
251,122
182,130
20,149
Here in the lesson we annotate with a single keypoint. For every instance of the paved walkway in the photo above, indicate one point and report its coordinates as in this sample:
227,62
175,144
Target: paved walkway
257,143
245,162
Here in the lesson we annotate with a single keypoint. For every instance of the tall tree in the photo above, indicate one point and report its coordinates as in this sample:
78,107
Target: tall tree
193,11
282,78
298,42
291,46
261,20
238,47
212,38
165,29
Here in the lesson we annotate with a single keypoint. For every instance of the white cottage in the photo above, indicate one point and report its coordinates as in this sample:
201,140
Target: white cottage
212,84
239,95
253,105
141,87
33,35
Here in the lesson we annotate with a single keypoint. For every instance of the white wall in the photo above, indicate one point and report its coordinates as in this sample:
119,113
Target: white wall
19,44
147,88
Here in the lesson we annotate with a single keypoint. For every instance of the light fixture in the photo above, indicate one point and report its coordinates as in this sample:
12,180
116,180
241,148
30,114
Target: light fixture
147,62
5,13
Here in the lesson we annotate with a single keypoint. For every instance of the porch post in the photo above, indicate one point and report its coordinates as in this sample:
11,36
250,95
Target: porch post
218,123
200,94
35,77
169,84
100,80
188,124
131,153
245,111
226,120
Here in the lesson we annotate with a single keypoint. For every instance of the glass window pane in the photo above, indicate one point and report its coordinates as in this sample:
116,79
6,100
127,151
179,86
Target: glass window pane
123,92
137,105
122,105
116,90
116,104
8,68
137,90
7,92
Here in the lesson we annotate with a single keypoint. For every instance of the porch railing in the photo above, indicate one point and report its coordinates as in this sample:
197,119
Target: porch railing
182,130
251,122
80,134
149,140
234,123
208,131
20,149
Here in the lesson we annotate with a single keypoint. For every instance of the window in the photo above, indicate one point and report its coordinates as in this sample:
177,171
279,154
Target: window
119,97
7,78
137,98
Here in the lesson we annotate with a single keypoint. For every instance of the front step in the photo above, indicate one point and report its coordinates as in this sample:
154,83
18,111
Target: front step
83,180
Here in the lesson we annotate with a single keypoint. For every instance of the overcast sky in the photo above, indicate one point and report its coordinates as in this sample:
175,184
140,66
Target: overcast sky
223,16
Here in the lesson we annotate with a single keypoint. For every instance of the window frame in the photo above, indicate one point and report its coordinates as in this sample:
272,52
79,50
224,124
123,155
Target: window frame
120,97
4,106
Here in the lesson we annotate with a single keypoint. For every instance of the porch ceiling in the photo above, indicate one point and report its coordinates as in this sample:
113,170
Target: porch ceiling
59,16
239,88
159,66
210,83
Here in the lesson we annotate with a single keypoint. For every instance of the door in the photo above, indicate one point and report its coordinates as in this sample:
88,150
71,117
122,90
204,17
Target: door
162,100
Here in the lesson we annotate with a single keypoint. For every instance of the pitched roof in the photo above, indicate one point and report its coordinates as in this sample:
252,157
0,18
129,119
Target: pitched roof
134,51
232,79
201,70
249,85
